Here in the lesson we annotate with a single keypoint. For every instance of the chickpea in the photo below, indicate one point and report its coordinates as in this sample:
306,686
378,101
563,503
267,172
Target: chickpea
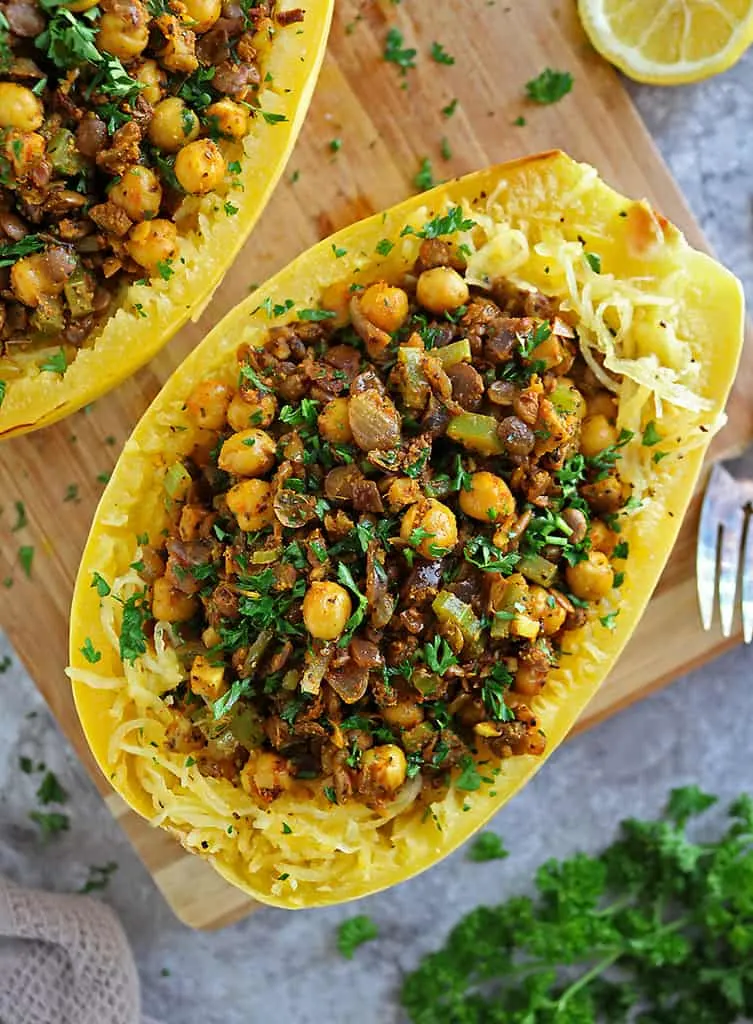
31,281
199,166
138,192
230,118
336,298
152,242
251,409
403,715
441,289
251,503
124,35
326,610
596,434
333,422
19,107
489,498
529,678
403,491
173,124
438,522
153,79
203,14
250,452
207,404
170,605
385,306
602,538
266,775
385,766
543,605
207,680
602,403
591,579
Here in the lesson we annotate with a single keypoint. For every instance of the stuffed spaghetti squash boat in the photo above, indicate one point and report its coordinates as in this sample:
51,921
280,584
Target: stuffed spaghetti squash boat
139,143
381,537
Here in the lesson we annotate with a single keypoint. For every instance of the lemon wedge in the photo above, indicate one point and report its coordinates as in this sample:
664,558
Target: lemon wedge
669,42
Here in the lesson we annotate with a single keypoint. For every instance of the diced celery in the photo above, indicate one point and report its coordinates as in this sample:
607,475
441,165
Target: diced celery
449,608
476,432
451,355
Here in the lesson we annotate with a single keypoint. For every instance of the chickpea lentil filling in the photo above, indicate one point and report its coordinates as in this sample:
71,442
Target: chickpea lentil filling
382,536
110,117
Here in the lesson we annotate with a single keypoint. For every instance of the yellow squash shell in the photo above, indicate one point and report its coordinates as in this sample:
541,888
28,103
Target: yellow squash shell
150,314
549,204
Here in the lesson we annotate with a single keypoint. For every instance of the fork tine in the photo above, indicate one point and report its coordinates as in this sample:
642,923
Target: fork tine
747,584
730,554
708,543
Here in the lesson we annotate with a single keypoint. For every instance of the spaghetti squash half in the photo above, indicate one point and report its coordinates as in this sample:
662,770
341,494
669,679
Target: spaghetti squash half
381,537
139,143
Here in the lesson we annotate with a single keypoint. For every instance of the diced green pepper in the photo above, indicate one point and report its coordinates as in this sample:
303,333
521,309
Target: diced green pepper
247,728
537,569
63,154
449,608
416,386
451,355
477,433
511,604
177,481
48,318
568,399
265,556
79,293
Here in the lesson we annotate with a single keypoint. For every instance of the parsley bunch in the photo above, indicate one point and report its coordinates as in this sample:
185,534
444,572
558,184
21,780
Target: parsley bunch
657,929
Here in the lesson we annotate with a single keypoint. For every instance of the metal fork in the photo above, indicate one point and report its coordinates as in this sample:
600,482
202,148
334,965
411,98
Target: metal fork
725,545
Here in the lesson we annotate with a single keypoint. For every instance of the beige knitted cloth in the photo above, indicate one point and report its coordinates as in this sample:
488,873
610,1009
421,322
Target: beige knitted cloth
64,960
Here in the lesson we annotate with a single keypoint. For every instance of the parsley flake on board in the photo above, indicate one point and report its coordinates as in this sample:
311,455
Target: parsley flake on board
50,791
396,53
424,178
440,55
51,824
354,932
656,928
550,86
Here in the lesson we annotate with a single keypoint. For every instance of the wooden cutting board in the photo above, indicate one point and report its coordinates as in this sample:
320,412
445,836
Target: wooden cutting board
387,124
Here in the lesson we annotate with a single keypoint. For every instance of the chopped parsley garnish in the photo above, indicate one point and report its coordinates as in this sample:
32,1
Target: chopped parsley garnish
89,651
651,435
396,53
493,690
450,109
487,846
21,520
272,118
550,86
354,932
438,655
424,178
480,551
249,373
444,148
50,823
11,253
99,877
338,251
68,41
56,363
26,558
50,791
440,55
594,261
384,247
222,705
449,224
606,459
335,145
136,613
316,315
469,778
345,576
194,90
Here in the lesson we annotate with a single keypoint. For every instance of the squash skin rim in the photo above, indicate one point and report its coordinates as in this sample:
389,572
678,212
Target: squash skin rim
125,347
302,279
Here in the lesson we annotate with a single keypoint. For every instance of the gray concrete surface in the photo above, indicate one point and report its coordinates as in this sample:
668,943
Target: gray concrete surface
282,967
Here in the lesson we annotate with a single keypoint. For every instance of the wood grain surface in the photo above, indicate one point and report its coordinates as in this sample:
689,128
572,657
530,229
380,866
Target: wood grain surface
388,123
